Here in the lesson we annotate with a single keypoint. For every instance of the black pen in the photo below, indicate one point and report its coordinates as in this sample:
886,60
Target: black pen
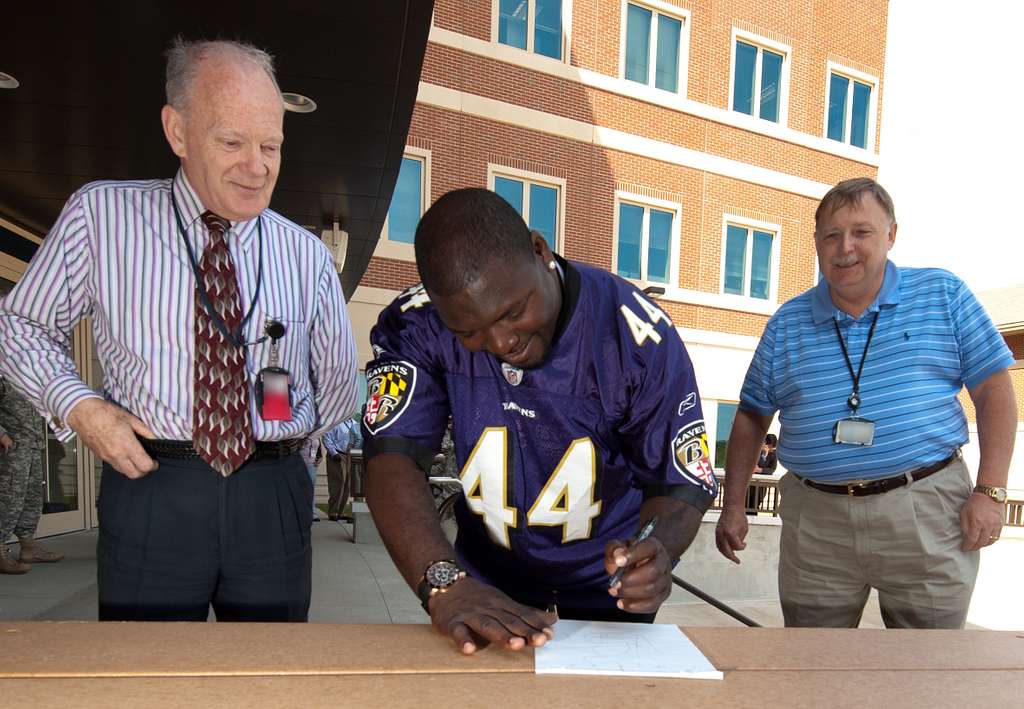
644,533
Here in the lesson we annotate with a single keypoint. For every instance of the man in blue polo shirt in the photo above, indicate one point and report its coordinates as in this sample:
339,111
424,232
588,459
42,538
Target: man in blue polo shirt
864,370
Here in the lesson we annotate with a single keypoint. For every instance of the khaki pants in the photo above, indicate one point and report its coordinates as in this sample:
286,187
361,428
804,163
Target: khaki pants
338,483
905,543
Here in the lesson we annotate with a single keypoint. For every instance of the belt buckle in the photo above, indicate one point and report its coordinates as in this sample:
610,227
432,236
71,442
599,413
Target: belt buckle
850,487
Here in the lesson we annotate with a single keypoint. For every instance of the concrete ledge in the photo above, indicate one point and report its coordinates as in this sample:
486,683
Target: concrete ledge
364,531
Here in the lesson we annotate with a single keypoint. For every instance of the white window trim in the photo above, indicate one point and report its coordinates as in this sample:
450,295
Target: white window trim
648,203
751,225
539,178
853,74
429,93
398,250
762,43
664,8
530,24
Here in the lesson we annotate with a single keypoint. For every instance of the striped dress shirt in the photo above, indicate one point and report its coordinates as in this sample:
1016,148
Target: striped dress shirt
116,255
932,338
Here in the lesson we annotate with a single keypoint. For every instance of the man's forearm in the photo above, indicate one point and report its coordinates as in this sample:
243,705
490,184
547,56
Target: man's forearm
996,408
404,512
748,431
677,526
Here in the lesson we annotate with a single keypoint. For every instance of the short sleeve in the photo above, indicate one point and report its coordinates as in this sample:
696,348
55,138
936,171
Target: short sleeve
664,435
406,400
983,351
758,391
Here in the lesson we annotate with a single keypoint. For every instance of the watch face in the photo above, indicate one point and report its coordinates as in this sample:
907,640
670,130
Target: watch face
442,574
1000,495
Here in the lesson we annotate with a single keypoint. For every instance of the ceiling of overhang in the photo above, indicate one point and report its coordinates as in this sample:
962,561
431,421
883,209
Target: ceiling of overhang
91,76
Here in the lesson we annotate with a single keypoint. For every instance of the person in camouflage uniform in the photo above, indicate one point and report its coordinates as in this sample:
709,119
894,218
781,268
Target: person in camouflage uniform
21,481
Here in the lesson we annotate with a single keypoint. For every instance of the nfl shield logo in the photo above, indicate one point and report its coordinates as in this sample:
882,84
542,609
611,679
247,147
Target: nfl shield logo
513,375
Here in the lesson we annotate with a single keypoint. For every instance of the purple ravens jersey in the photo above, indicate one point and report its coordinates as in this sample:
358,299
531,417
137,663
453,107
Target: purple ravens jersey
554,461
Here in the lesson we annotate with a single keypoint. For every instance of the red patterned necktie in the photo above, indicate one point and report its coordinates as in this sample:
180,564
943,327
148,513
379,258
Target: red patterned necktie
221,426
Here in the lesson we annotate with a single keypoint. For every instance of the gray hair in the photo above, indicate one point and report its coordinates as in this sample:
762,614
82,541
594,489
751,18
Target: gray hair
185,56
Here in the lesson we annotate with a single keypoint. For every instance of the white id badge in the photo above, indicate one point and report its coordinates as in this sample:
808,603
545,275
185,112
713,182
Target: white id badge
854,431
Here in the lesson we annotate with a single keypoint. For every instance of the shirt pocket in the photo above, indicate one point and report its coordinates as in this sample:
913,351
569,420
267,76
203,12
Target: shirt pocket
292,347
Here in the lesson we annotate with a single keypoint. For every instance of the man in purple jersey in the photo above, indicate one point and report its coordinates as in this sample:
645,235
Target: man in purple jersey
576,420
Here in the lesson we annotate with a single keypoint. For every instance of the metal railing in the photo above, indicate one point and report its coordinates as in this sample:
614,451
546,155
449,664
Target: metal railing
762,495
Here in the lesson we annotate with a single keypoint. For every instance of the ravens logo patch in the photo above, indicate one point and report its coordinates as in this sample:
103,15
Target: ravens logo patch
690,454
389,389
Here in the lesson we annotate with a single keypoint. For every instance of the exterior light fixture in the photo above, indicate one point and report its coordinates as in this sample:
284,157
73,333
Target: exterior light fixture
297,103
654,291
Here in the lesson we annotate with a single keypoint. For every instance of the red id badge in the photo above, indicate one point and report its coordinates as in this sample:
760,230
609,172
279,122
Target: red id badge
273,391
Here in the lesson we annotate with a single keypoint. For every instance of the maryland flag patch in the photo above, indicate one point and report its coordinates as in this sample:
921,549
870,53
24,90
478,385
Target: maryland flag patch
389,389
690,454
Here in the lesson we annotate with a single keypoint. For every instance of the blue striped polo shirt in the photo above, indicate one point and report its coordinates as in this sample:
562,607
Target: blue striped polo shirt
932,338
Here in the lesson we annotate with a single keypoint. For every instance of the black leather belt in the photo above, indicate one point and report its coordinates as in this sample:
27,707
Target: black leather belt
875,487
265,450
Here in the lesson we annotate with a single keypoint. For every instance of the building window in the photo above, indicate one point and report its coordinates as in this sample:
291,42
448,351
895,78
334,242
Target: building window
749,259
537,198
531,25
653,47
850,100
723,428
407,200
759,77
645,237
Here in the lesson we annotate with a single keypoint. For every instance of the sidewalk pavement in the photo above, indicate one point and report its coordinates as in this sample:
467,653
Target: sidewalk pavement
352,583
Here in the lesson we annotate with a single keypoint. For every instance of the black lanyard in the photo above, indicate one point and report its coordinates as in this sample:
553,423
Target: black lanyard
236,339
854,401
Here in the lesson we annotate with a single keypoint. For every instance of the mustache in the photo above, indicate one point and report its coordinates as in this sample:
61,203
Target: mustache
844,262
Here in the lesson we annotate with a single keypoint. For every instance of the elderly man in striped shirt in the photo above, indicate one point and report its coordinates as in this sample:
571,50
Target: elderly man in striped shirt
864,370
224,342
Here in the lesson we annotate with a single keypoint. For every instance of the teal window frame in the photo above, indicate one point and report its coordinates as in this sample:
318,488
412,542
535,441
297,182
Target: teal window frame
655,71
526,190
650,213
746,241
749,92
513,30
848,109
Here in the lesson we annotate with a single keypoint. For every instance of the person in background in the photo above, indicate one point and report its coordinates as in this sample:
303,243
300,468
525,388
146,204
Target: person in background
311,455
340,441
766,464
21,482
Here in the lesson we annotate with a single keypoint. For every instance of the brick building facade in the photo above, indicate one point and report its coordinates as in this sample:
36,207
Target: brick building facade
722,122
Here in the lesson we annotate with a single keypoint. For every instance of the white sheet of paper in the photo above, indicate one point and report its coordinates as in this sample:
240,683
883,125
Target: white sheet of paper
631,649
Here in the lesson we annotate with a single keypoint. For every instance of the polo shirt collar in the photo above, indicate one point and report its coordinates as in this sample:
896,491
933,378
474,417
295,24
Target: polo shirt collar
822,307
191,209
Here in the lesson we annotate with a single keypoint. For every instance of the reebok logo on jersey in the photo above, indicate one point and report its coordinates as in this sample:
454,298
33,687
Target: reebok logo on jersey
389,389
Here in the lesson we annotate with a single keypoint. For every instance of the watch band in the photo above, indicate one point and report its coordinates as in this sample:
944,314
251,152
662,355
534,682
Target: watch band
996,493
428,587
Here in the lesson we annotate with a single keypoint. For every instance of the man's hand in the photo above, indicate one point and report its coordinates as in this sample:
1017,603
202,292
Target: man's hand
474,614
112,434
647,581
981,519
731,532
6,443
